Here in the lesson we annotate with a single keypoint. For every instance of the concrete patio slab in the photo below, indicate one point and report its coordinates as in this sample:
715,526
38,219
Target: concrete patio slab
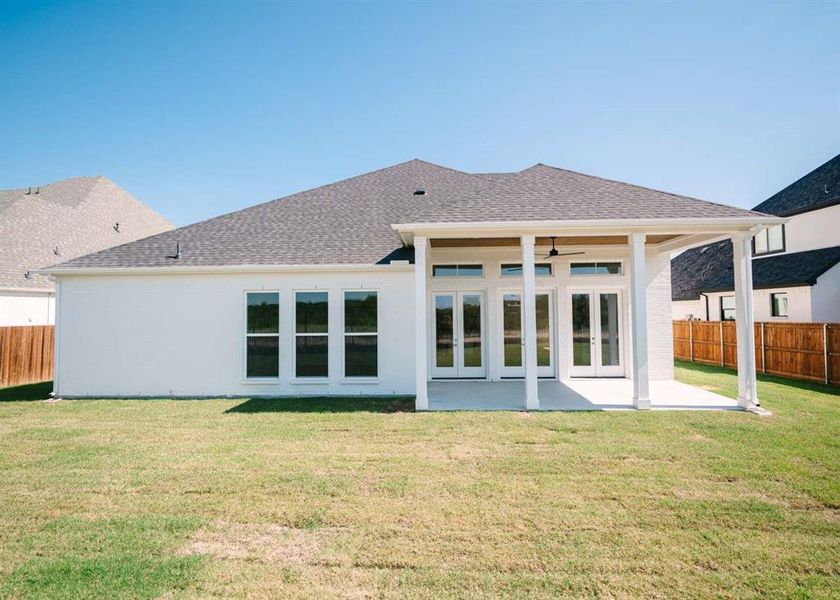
572,394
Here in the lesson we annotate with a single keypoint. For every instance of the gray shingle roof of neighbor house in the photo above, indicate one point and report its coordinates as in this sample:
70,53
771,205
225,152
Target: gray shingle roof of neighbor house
350,222
817,189
48,224
783,270
696,270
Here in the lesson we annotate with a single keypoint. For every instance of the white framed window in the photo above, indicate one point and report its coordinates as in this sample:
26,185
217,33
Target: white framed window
455,270
515,269
727,308
361,334
769,240
312,334
779,304
262,335
596,268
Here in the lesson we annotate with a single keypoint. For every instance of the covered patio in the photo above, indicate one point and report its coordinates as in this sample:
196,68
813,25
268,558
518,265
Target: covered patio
571,395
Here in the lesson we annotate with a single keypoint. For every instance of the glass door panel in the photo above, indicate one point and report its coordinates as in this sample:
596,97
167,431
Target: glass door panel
512,330
609,329
512,344
471,307
581,331
458,328
444,346
596,334
543,330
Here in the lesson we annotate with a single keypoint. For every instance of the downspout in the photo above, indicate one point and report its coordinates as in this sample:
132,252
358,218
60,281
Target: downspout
706,297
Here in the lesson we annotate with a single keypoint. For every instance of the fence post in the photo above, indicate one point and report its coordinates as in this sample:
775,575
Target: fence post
825,351
763,351
722,361
691,340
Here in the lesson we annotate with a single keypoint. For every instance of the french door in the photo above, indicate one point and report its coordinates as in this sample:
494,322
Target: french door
597,343
513,343
458,332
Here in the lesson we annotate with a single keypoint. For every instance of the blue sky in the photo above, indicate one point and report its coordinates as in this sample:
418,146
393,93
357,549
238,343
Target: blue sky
203,108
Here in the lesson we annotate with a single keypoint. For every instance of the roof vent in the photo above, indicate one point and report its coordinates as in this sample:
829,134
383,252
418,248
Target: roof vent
420,192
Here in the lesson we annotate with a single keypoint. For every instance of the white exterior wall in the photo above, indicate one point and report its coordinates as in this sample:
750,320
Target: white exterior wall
825,297
799,304
27,308
660,327
813,230
183,335
688,309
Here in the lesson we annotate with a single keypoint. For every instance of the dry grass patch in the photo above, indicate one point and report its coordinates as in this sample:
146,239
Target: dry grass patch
268,543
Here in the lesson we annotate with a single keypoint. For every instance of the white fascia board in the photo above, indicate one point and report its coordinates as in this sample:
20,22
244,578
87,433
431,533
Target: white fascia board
585,227
221,269
28,291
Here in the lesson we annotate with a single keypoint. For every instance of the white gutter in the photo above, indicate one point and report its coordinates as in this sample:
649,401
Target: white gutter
213,269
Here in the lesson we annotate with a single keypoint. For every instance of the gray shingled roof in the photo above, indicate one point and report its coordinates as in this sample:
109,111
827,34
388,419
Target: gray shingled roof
73,217
782,270
817,189
349,222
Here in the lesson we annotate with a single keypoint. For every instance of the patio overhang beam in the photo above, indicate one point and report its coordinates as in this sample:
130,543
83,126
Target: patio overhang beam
660,231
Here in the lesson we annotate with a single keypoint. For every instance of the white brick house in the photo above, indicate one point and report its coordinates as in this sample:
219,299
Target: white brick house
400,281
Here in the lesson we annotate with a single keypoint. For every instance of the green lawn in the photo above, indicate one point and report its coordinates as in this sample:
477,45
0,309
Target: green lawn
356,498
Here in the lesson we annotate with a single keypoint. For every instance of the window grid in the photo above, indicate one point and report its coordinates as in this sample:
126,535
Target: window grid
369,334
275,297
299,295
779,304
596,268
727,308
458,270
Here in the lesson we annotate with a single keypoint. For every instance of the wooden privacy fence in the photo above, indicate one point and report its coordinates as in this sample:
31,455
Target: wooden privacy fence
26,354
808,351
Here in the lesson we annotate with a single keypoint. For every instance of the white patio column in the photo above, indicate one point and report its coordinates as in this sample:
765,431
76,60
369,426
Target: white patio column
638,280
529,308
744,328
421,251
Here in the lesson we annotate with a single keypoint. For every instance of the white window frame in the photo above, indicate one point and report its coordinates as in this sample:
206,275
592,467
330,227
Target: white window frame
360,378
304,379
551,265
245,377
456,264
765,234
720,307
787,305
597,261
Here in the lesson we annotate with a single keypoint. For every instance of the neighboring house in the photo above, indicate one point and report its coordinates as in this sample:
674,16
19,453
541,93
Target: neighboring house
44,225
796,265
376,284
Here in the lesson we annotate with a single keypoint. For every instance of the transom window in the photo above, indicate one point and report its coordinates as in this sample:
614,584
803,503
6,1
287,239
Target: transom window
361,334
515,270
262,334
595,268
457,271
779,304
727,308
311,334
769,240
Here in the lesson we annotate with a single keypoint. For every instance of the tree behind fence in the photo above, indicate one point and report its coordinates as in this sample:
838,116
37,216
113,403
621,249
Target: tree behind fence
809,351
26,354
